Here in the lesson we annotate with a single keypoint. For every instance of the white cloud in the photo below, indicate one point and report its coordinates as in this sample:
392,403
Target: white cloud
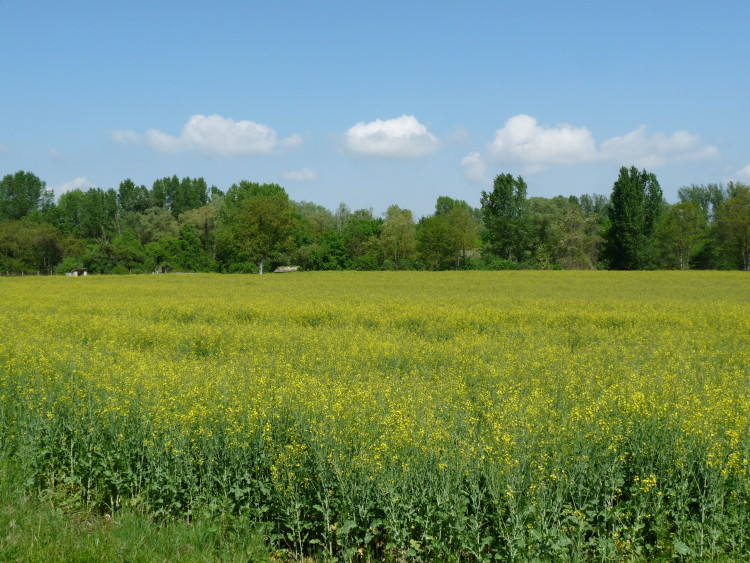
658,149
458,135
523,141
79,183
292,141
743,174
211,134
304,175
474,169
124,136
402,137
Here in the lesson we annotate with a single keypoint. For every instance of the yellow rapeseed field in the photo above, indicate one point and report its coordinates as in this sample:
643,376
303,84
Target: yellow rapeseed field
451,415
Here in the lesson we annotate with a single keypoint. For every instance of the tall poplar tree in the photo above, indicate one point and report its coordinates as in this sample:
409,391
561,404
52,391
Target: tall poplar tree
505,214
636,204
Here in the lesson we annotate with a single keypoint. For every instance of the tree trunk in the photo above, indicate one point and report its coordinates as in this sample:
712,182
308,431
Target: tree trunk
260,266
682,255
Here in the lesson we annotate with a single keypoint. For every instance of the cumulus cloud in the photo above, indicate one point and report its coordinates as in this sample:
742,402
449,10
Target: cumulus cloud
79,183
304,175
124,136
522,140
402,137
211,134
743,174
641,149
474,168
291,141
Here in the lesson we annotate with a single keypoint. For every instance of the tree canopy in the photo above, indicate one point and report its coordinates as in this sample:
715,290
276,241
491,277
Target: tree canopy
636,204
505,214
183,224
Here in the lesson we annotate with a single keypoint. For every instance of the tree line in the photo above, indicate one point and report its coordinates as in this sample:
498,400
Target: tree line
182,224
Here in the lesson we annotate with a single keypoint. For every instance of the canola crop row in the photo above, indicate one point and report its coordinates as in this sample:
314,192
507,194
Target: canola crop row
452,415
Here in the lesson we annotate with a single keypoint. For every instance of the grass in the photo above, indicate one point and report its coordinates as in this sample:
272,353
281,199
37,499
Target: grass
39,528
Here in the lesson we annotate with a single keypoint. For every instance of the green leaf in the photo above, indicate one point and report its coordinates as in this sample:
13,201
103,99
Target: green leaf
682,548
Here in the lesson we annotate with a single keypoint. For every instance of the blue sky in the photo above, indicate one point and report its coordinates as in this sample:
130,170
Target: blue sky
376,103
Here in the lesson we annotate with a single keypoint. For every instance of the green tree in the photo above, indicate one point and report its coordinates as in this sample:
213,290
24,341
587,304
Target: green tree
734,223
242,191
709,197
127,254
179,195
712,252
682,229
577,239
20,194
90,214
361,237
124,254
156,223
544,221
258,225
188,254
327,253
562,234
464,232
206,220
316,220
594,204
341,217
636,204
505,214
132,198
159,189
28,246
434,241
70,209
192,193
444,239
398,236
445,205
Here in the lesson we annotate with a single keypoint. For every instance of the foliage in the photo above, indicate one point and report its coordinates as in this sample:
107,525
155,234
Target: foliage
734,221
132,198
361,237
636,204
41,529
155,224
90,214
681,232
398,236
328,253
577,240
242,230
445,239
20,194
505,214
26,246
261,226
